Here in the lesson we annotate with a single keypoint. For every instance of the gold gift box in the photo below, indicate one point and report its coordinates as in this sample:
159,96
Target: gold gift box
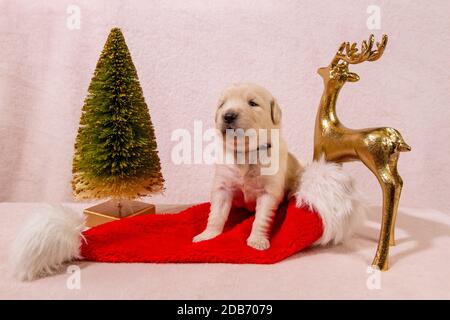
115,210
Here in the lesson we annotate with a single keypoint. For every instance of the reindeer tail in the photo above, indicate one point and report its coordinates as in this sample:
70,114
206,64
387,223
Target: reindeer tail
403,147
400,144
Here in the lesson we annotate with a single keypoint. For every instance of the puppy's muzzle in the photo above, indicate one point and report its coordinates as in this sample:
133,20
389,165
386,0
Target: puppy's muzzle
230,117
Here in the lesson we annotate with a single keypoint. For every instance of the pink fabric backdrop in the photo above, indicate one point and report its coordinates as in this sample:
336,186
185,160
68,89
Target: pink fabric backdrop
187,51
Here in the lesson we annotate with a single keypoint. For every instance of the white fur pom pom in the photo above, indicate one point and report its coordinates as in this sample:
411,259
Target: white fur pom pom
51,237
326,188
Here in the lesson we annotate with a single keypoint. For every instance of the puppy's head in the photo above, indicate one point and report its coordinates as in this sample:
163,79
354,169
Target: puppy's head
247,106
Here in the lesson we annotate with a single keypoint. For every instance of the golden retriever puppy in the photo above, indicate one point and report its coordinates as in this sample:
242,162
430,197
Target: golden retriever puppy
261,174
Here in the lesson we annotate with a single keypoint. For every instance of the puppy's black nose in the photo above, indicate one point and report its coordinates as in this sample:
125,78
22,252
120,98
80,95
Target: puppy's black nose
229,117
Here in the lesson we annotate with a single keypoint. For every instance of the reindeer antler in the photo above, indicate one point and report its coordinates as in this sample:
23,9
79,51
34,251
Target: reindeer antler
349,53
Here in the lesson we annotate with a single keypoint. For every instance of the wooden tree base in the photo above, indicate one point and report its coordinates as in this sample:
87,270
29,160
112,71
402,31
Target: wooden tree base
114,210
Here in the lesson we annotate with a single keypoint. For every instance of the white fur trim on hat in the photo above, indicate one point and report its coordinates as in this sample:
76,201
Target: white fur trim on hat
326,188
50,238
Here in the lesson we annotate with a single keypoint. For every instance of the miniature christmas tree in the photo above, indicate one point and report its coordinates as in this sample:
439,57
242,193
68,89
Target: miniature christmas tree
115,150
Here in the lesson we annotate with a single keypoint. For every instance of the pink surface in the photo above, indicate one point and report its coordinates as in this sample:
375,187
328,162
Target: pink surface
420,268
187,52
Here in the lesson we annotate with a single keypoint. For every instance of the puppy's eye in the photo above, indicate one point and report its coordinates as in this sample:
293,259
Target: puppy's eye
252,103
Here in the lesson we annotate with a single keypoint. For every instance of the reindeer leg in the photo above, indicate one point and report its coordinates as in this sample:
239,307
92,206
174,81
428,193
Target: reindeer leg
398,192
398,189
391,187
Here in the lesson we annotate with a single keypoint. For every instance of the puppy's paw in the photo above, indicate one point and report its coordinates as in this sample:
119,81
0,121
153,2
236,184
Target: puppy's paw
258,242
206,235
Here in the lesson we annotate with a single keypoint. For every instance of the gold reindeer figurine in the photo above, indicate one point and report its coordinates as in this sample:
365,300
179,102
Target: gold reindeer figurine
377,148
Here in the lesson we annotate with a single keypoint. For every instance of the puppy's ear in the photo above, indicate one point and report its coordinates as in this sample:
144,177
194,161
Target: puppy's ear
275,112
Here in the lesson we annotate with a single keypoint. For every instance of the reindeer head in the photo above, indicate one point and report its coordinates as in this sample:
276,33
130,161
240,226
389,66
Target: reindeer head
337,73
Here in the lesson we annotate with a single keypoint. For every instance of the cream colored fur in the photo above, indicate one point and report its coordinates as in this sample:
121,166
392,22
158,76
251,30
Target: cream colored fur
243,185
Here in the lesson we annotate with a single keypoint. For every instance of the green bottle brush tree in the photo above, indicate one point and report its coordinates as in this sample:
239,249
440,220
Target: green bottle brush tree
115,150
